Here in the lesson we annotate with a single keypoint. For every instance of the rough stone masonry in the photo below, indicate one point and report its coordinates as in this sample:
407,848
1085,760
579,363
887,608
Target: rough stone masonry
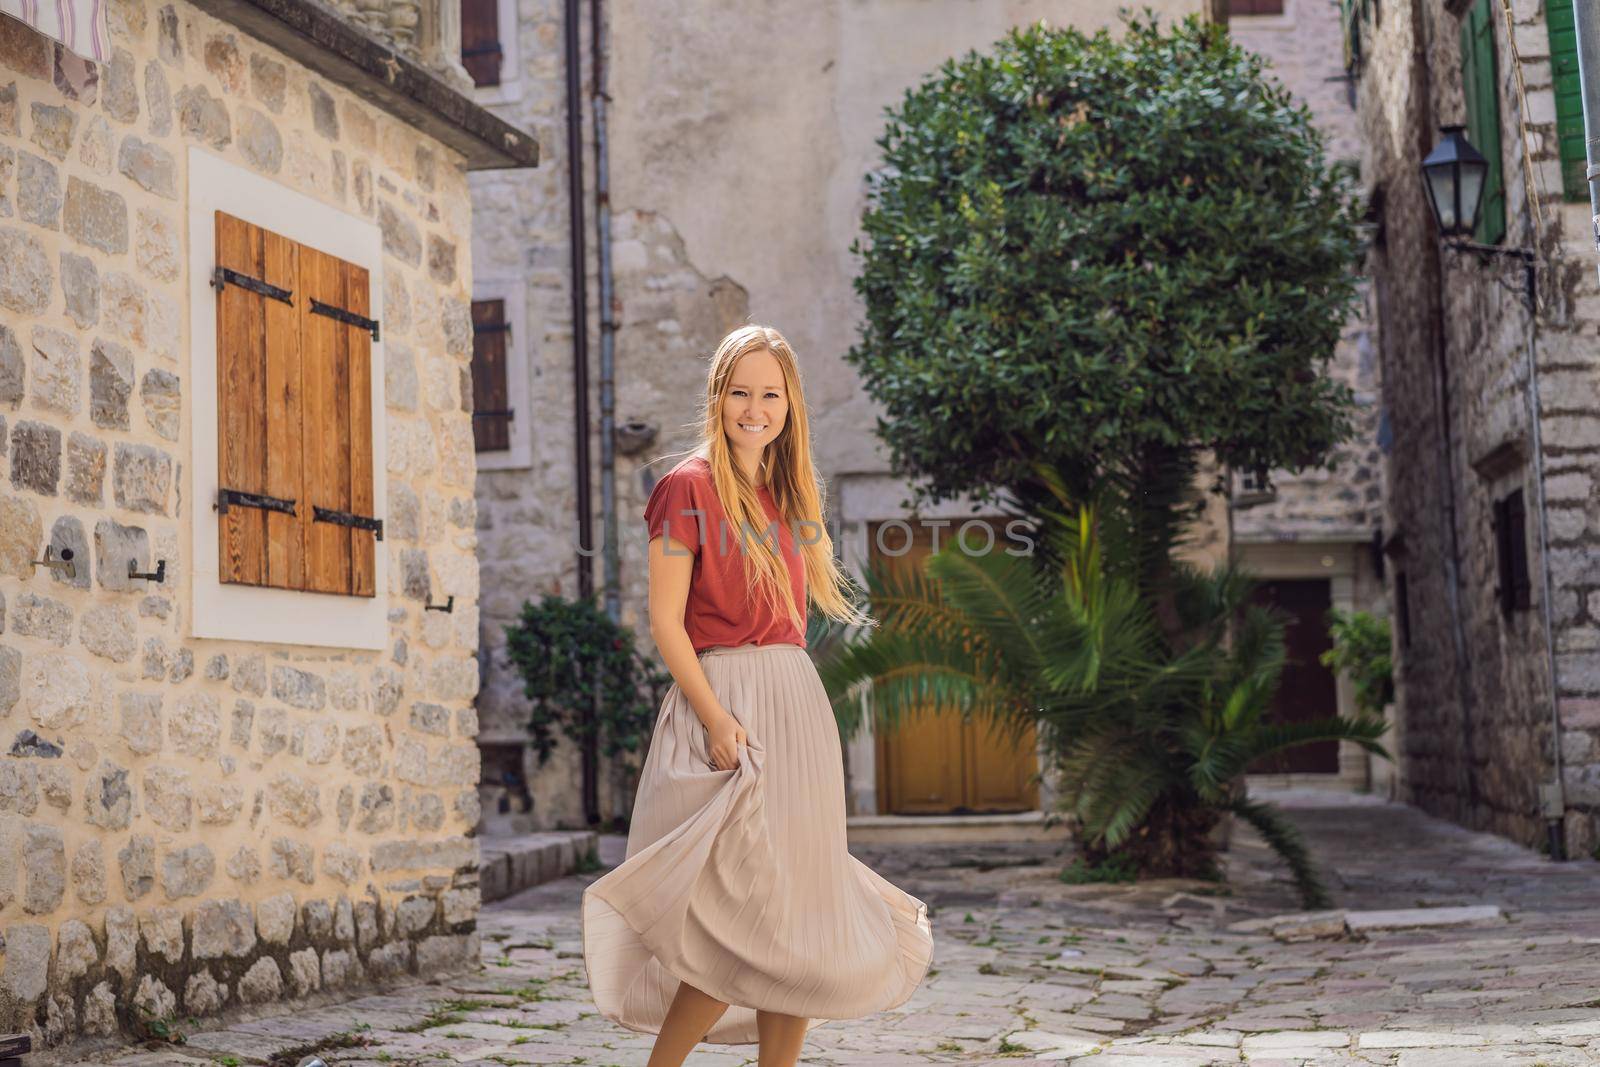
189,825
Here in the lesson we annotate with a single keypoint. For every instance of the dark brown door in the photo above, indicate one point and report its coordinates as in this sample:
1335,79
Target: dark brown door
1308,690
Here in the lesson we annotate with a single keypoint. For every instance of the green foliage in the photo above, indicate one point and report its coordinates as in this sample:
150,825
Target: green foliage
1362,648
1082,248
825,639
583,675
159,1029
1151,736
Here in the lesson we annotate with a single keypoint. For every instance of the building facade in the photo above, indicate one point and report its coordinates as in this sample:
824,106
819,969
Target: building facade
235,438
737,150
1309,537
1489,511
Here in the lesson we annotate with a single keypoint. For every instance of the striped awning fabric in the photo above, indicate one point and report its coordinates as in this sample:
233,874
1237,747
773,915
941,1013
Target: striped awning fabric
80,25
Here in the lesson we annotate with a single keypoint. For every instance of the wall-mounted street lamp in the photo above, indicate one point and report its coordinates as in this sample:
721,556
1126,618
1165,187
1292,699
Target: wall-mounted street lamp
1454,174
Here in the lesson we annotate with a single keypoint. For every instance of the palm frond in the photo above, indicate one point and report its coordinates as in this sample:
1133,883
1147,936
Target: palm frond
1283,838
998,597
1364,730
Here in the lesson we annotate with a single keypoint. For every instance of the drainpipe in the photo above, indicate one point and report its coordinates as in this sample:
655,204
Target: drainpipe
608,319
1552,794
580,361
1586,20
608,340
1422,35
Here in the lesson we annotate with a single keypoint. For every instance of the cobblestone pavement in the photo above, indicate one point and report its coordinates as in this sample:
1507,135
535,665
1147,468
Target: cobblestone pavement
1028,969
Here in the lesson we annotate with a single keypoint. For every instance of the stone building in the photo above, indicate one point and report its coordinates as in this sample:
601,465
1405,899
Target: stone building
236,473
1309,536
1489,514
737,150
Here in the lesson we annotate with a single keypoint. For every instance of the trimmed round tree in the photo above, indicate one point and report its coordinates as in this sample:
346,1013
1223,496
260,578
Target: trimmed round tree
1111,254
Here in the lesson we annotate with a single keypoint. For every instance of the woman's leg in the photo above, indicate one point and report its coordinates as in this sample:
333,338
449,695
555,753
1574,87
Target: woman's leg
781,1037
688,1019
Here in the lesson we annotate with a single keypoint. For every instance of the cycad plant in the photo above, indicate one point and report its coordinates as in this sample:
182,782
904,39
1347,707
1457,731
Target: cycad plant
1153,700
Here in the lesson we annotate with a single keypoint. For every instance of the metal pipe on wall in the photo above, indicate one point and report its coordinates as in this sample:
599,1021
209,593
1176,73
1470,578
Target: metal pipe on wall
1438,337
599,46
1552,795
580,357
608,319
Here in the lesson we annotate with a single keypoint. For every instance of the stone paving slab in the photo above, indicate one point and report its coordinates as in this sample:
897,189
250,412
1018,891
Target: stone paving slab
1029,970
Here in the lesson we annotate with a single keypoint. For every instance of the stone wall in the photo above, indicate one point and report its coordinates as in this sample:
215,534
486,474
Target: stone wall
1341,503
187,825
1475,688
734,198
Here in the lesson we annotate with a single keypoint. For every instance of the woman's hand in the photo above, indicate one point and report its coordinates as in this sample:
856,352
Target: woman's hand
723,739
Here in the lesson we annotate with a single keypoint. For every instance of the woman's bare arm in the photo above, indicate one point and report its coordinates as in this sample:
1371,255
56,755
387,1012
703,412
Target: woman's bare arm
669,594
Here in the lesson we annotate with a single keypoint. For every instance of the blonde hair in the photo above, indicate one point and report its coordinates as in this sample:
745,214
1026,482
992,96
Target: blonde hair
791,477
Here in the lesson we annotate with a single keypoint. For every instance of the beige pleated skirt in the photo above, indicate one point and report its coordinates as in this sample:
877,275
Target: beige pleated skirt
739,881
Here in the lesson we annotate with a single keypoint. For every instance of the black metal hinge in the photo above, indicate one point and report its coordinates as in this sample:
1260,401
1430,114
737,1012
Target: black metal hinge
344,518
222,277
482,50
491,327
349,317
238,498
508,413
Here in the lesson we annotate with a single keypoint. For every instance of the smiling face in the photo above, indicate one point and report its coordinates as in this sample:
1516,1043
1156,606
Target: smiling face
756,405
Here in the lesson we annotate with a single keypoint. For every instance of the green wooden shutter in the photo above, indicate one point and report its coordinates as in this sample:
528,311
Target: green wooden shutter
1569,99
1480,79
1349,11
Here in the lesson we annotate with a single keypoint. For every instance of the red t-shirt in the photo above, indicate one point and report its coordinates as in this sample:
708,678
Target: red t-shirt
721,610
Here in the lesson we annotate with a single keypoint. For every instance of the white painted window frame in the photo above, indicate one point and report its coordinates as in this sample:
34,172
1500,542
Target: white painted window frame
227,610
510,88
519,394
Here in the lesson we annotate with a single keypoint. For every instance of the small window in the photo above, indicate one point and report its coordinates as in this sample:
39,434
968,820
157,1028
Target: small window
481,53
492,413
294,351
1402,608
1237,8
1511,553
502,374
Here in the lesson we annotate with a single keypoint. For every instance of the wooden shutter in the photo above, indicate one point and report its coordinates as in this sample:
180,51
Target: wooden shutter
1480,79
1255,7
258,406
480,41
1569,100
491,398
337,444
294,351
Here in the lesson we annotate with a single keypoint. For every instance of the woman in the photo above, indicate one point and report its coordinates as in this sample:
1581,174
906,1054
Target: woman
739,916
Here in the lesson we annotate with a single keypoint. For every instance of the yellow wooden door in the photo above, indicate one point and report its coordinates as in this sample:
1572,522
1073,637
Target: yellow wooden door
933,763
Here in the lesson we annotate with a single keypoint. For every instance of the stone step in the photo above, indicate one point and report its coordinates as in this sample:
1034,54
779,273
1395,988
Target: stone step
508,865
1311,925
951,829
